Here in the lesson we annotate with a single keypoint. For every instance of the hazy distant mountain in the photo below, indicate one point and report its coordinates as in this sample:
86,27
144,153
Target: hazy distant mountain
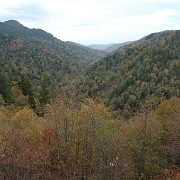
114,47
108,47
99,46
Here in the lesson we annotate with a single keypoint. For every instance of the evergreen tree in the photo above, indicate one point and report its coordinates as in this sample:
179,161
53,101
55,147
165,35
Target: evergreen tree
26,87
43,94
5,87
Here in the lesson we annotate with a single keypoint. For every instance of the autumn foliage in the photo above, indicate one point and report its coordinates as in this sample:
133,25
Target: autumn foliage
83,141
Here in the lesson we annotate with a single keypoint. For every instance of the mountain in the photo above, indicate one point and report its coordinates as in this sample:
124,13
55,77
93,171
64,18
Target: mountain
16,29
82,139
123,80
146,69
108,47
36,53
114,47
99,46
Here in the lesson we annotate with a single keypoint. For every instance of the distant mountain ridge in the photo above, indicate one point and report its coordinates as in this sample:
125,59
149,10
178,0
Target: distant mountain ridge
114,47
108,47
99,46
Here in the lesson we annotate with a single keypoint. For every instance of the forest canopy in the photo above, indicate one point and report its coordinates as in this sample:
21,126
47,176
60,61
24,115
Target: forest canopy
68,113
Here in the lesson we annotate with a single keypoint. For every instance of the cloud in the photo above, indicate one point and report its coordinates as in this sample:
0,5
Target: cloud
94,21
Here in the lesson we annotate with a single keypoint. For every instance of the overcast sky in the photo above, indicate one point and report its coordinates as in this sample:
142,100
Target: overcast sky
94,21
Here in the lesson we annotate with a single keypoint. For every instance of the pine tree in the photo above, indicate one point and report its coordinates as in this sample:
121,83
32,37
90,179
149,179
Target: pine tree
5,88
26,88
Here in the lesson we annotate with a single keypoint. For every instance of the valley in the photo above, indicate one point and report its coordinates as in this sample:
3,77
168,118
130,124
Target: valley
69,111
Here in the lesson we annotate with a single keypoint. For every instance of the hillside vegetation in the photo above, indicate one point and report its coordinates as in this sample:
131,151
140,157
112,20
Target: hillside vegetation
148,68
63,116
36,53
38,62
108,47
114,47
82,141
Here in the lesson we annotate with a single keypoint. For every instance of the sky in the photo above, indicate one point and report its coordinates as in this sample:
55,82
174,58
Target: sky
94,21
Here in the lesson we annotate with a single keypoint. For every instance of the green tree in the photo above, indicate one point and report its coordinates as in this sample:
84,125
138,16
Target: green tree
44,92
26,88
5,87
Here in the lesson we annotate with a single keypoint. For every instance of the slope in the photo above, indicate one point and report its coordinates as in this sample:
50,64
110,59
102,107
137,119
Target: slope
114,47
37,53
146,69
108,47
99,46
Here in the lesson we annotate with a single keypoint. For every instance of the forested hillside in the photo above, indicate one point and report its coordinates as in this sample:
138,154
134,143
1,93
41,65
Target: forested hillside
66,115
82,141
108,47
114,47
36,53
146,69
38,62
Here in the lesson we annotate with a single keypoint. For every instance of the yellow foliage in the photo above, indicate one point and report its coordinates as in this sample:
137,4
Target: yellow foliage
167,111
2,116
30,124
21,100
16,91
23,117
1,100
33,130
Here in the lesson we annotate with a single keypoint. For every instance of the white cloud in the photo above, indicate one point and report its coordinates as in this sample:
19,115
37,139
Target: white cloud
9,3
94,21
76,9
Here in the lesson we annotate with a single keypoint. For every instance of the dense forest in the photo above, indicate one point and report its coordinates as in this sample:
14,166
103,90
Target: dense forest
146,69
83,141
37,54
70,112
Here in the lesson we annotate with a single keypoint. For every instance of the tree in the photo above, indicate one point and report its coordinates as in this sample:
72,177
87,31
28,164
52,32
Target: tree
5,87
168,115
44,92
26,88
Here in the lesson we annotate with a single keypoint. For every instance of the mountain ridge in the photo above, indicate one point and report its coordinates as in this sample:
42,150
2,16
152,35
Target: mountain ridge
19,30
16,29
108,47
34,51
145,69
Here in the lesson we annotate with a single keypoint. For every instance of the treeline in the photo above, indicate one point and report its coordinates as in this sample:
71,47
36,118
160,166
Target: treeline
145,69
83,141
